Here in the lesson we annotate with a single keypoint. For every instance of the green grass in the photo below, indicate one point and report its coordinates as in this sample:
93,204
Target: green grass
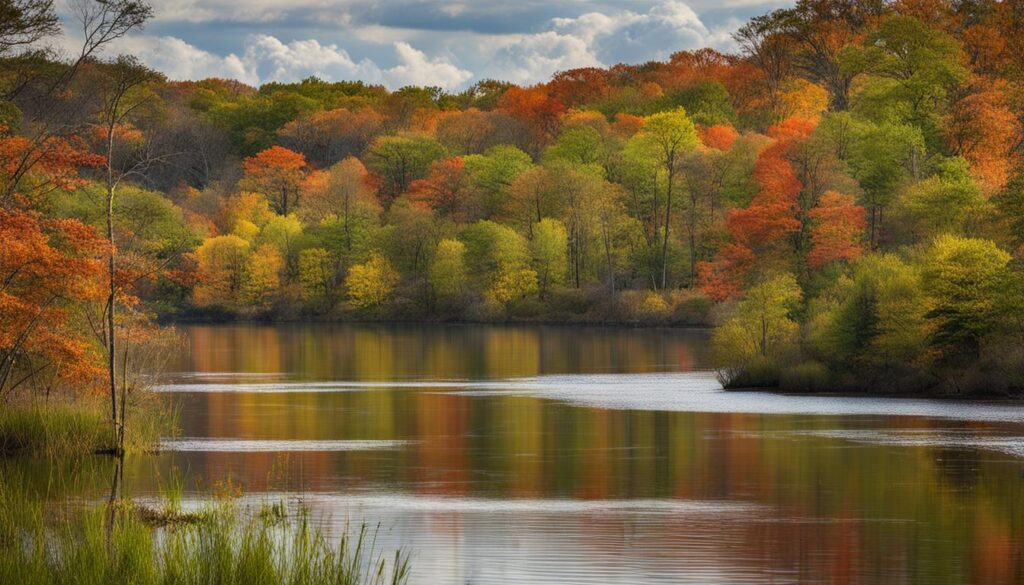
222,545
63,428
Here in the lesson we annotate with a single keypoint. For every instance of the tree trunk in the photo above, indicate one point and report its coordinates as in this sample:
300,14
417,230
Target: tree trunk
668,215
111,356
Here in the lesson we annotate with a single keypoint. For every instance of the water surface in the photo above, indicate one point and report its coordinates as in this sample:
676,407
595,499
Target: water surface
598,456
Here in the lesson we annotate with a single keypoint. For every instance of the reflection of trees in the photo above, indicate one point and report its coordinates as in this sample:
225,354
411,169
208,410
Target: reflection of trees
841,512
374,352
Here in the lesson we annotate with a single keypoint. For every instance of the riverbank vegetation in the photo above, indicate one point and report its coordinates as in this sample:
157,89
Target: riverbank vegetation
222,542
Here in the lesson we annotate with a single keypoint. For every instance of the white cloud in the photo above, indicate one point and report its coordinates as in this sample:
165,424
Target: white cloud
266,58
415,68
533,58
400,56
600,39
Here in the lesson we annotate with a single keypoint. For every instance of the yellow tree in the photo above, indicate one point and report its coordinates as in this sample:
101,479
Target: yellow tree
371,284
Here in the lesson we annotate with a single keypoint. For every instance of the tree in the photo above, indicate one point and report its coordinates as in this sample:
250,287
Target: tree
48,268
944,203
761,329
262,276
962,277
491,176
914,69
838,227
345,190
877,326
221,264
983,129
371,284
664,138
276,173
548,249
444,188
316,276
284,235
447,275
127,155
326,138
400,160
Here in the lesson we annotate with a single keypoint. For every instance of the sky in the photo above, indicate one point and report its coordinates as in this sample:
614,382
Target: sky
451,44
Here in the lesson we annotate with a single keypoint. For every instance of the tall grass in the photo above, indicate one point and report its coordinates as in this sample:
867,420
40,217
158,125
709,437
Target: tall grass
67,428
225,546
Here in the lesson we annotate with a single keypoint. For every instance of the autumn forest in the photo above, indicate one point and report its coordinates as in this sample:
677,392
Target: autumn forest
842,199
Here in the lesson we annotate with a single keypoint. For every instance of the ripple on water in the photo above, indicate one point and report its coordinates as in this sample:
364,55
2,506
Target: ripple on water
271,445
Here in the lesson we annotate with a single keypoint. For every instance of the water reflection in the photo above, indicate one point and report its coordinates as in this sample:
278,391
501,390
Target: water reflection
577,479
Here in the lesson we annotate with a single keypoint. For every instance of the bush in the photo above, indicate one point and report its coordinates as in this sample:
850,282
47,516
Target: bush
690,307
806,377
757,373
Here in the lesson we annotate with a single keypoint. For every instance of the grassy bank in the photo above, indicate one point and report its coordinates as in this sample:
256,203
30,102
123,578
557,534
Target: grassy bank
70,428
43,543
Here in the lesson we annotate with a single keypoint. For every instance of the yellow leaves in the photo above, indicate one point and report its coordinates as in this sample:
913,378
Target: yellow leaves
371,284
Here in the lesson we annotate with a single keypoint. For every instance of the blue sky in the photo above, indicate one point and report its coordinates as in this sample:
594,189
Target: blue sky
451,44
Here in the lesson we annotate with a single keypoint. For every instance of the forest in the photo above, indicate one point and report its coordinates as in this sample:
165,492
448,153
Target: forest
842,198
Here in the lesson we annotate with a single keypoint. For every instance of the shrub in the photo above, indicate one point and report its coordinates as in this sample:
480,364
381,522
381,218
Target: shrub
808,376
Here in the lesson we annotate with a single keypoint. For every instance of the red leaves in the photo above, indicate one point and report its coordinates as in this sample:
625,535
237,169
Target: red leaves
442,189
838,226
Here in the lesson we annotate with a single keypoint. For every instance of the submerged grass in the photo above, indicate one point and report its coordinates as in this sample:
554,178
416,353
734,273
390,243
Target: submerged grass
99,545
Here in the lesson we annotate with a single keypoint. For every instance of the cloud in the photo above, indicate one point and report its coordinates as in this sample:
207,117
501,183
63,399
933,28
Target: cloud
601,39
266,58
348,43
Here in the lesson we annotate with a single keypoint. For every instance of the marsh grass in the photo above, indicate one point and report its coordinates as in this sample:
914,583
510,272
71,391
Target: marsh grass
223,544
72,428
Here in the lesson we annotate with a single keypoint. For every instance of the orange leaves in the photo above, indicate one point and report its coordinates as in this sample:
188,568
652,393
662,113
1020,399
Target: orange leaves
719,136
276,173
535,107
724,278
53,163
274,159
759,230
838,227
984,130
46,267
443,189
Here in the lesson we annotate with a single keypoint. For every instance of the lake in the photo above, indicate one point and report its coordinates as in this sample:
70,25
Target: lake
534,454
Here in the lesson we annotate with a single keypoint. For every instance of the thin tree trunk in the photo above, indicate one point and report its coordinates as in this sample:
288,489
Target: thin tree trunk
668,215
111,356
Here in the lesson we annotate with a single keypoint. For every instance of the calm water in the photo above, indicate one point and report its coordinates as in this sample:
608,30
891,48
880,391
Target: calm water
553,455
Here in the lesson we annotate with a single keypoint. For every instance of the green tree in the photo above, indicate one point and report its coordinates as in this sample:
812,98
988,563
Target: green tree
944,203
878,321
492,173
447,274
913,69
963,278
400,160
762,329
663,140
548,251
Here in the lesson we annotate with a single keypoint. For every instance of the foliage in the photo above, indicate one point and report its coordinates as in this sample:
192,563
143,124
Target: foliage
370,285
